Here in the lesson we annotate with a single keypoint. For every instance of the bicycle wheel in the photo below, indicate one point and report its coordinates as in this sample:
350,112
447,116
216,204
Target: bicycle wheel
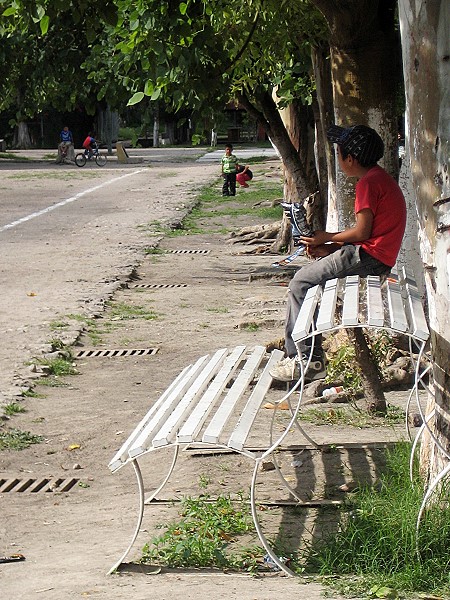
80,160
100,159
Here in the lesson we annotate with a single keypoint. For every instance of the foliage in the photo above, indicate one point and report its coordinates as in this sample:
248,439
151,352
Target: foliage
13,408
204,535
194,54
377,538
15,439
343,366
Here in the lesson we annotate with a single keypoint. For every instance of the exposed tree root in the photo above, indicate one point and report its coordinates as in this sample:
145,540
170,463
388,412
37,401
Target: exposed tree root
256,235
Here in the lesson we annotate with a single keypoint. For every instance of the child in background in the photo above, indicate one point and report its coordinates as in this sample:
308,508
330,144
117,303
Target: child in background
243,175
229,169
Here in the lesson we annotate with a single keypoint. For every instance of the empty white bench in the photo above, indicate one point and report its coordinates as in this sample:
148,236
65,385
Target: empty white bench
216,401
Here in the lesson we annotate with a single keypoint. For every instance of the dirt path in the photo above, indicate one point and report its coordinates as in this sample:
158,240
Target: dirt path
71,539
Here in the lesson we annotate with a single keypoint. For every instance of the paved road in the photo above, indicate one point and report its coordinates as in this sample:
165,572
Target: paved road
69,236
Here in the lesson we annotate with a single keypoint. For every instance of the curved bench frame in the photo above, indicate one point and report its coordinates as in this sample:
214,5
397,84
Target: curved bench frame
214,402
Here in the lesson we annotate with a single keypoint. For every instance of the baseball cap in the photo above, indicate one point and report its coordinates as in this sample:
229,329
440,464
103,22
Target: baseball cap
362,142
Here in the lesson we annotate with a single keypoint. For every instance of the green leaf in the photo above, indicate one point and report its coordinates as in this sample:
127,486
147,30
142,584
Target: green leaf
183,8
156,94
44,23
8,12
135,99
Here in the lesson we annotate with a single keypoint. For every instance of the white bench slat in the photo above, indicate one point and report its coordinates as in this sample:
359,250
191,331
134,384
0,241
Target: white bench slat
212,433
350,310
142,443
170,427
242,429
121,457
418,322
375,310
305,317
397,313
325,318
198,416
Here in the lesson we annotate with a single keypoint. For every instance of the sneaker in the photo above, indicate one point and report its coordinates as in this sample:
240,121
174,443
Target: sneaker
288,369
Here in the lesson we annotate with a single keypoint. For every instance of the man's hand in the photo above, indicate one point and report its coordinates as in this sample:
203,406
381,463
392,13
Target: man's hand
320,237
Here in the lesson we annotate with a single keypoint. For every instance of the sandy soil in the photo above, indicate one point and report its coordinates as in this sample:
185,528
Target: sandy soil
71,538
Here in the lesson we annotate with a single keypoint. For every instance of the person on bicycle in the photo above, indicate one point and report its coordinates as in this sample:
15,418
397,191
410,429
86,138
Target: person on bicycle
65,146
89,145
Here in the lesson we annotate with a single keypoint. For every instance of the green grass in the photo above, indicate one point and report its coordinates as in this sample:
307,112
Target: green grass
15,439
12,156
206,535
352,417
206,216
13,408
374,551
121,311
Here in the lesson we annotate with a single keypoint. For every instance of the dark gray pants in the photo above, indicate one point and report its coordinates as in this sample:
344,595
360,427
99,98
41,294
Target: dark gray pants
348,260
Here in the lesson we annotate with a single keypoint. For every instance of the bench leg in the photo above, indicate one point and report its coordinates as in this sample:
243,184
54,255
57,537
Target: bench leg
261,535
166,479
140,482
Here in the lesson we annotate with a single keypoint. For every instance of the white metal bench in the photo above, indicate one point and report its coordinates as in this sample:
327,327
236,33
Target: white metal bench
216,401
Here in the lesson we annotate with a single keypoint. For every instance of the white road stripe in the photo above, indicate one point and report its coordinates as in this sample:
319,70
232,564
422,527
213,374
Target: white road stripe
64,202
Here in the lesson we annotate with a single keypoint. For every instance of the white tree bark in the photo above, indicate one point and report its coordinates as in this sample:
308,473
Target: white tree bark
426,64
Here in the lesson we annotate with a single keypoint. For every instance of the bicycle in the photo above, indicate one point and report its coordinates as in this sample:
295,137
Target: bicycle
82,157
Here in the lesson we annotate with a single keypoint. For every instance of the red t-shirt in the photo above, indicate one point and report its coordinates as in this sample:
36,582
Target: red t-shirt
87,142
379,192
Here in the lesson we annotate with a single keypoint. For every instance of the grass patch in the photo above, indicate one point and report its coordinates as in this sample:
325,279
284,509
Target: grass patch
205,536
58,367
13,408
15,439
374,551
211,207
218,309
12,156
352,417
121,311
31,394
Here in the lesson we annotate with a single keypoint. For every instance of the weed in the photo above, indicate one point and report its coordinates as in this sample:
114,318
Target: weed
58,325
13,409
205,535
376,540
121,311
250,327
31,394
218,309
352,417
153,250
15,439
58,367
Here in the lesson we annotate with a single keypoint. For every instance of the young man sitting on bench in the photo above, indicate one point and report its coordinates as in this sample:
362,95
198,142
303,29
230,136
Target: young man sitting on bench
370,247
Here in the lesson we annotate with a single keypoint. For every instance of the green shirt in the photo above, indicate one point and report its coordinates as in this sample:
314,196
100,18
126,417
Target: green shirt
229,163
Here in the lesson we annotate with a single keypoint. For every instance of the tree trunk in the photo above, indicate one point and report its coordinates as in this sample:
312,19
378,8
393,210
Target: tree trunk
22,138
268,116
325,160
426,50
364,53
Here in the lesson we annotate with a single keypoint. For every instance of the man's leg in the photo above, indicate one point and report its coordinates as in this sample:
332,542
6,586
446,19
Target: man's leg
225,191
232,184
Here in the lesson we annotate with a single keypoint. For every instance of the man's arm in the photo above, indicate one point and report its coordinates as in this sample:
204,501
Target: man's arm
361,231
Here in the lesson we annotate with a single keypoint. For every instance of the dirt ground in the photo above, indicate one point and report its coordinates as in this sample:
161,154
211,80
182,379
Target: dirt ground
202,301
